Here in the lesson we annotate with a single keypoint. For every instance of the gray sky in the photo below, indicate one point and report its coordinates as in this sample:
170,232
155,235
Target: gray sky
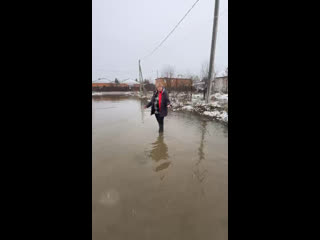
124,31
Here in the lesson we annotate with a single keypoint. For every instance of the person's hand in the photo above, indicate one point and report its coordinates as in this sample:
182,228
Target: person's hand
169,106
144,107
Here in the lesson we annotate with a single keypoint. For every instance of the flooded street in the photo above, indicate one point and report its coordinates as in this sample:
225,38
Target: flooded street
147,185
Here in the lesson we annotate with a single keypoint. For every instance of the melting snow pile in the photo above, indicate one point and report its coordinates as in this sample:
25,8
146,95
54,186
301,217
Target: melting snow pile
188,108
110,93
212,114
223,115
217,108
220,96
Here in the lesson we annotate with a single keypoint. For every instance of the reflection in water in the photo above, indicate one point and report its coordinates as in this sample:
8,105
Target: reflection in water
110,97
225,131
200,149
201,174
160,152
138,194
142,104
109,198
162,166
159,149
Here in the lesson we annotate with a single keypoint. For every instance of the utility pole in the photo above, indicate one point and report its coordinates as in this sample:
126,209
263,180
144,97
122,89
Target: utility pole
141,80
213,47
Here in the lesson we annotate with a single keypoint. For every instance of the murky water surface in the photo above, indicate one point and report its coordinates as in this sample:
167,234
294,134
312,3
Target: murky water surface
147,185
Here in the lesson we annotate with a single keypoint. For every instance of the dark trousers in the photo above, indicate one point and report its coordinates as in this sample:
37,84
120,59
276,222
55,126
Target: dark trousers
160,121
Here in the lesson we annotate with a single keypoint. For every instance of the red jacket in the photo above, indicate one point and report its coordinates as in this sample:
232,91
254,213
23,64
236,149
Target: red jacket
164,98
160,97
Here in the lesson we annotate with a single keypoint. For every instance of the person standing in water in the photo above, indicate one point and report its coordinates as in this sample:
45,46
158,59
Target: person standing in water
159,104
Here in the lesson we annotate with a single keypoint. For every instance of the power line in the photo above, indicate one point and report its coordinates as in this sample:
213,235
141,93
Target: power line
171,31
221,30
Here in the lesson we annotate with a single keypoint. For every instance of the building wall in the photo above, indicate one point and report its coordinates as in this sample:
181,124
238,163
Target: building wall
176,83
221,85
101,84
110,87
148,87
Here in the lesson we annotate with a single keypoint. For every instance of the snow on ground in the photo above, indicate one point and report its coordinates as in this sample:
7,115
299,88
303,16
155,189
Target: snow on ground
110,93
220,96
216,109
188,108
215,104
197,96
211,114
223,115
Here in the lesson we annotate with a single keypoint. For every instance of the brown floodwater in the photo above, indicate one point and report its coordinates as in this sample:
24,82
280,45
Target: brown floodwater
147,185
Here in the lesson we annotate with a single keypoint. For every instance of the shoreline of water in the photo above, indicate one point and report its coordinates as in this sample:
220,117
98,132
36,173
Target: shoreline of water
216,111
141,177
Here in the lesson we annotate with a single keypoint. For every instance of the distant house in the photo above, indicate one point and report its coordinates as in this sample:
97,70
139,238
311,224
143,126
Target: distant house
136,87
110,87
199,85
221,84
130,85
130,82
176,84
102,84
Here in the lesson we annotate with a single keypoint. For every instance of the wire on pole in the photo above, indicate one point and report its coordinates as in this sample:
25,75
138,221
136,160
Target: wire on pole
171,31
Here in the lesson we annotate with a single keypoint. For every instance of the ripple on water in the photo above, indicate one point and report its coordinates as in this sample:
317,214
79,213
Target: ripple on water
109,198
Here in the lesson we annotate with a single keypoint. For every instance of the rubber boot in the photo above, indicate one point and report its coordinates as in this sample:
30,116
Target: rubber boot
160,128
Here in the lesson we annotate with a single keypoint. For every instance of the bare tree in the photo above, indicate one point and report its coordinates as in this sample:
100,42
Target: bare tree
195,80
226,72
226,75
205,76
168,71
204,70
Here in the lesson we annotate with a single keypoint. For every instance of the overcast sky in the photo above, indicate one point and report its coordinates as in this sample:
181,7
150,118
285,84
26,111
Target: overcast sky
124,31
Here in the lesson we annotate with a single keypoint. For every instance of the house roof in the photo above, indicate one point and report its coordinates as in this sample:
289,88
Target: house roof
129,82
189,79
220,74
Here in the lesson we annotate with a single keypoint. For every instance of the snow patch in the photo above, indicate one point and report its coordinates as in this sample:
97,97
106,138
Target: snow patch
211,114
215,104
188,108
220,96
224,116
